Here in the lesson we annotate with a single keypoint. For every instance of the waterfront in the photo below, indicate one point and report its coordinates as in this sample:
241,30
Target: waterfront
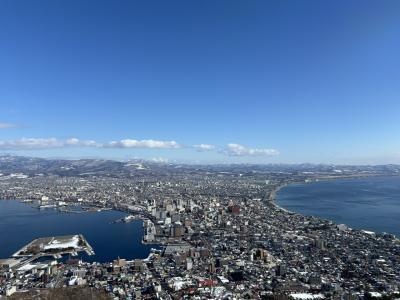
220,229
371,203
20,223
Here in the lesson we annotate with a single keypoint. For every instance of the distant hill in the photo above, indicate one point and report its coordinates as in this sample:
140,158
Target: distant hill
142,168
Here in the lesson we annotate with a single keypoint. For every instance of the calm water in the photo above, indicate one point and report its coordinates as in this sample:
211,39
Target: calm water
362,203
20,223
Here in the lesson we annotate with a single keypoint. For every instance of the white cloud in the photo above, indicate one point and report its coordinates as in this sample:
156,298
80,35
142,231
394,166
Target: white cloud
159,159
77,142
46,143
152,144
239,150
7,125
72,141
30,143
204,147
49,143
43,143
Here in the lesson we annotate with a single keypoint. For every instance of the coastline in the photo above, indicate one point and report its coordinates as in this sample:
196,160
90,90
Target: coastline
272,196
274,192
272,199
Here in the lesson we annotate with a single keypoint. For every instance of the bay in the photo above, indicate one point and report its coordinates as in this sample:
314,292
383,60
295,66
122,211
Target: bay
20,223
370,203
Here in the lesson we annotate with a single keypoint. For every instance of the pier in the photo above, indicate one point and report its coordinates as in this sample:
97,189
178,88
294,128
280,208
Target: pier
54,246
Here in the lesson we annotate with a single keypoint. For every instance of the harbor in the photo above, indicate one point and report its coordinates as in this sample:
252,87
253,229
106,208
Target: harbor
108,239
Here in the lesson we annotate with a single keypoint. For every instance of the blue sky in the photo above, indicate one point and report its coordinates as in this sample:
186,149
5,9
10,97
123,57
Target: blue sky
251,81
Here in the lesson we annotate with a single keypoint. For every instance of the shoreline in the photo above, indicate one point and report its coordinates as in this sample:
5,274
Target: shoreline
152,245
272,199
273,194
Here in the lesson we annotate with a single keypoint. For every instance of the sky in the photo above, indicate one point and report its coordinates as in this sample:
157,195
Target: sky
201,81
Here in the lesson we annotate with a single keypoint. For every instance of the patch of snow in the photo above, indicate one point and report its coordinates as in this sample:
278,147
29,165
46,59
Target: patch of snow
375,294
368,232
55,244
306,296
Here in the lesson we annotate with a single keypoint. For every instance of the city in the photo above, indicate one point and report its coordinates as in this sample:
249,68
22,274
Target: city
202,149
221,234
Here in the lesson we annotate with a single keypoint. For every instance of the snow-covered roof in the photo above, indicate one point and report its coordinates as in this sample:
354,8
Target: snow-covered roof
306,296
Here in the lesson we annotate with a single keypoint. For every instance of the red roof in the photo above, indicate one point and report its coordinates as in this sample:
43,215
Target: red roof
207,282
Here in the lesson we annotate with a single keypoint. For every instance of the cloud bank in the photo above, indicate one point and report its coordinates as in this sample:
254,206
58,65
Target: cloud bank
85,143
50,143
152,144
239,150
43,143
204,147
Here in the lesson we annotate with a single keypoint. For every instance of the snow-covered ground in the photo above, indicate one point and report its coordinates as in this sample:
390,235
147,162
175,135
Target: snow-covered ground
307,296
56,244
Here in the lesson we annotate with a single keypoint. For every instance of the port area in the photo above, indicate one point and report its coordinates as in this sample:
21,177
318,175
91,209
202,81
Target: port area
129,219
54,246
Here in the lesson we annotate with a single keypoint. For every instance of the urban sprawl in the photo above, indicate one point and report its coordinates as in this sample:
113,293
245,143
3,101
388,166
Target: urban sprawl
220,233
